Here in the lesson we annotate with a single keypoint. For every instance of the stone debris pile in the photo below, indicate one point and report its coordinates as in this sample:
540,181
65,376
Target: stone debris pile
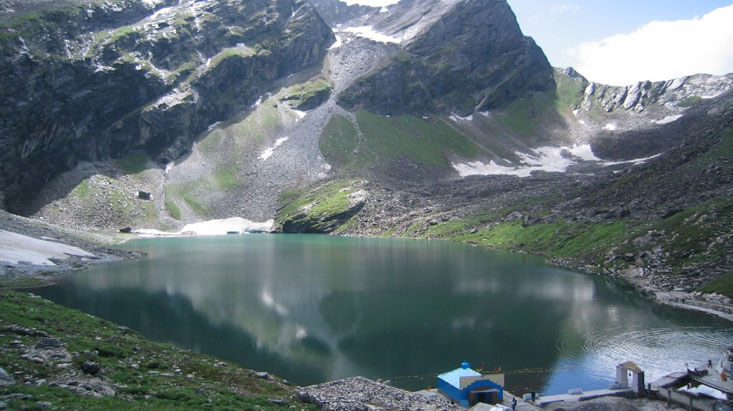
359,393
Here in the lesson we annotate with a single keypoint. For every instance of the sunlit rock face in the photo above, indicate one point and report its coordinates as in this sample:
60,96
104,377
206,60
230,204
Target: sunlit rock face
98,79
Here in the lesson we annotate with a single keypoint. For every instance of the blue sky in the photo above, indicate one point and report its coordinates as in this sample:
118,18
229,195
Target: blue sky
577,32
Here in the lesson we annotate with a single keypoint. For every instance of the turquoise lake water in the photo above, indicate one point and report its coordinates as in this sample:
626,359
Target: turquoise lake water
314,308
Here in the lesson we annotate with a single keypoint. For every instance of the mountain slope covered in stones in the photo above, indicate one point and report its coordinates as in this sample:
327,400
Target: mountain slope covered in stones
426,118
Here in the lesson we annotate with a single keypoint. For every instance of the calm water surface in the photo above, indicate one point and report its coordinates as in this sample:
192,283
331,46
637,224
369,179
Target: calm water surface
317,308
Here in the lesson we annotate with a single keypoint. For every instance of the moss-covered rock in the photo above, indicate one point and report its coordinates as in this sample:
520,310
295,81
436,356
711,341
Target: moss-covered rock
322,209
309,95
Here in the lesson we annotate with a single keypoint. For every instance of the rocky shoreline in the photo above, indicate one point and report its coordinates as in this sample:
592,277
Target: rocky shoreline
709,303
25,274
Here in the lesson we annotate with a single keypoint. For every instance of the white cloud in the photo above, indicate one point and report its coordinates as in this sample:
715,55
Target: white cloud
661,50
563,8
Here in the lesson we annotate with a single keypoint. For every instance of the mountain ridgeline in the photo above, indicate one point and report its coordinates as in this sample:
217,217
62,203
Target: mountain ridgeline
424,118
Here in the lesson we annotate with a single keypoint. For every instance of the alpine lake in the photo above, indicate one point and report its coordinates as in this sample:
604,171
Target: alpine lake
314,308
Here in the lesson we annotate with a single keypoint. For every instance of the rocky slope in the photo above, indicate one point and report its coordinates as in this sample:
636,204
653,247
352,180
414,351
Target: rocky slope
96,80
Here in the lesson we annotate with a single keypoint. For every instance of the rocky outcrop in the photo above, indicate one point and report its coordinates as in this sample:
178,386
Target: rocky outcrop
92,82
335,12
676,95
323,209
473,58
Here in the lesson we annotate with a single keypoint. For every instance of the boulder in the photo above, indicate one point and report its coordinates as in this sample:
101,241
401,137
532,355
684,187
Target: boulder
5,378
91,368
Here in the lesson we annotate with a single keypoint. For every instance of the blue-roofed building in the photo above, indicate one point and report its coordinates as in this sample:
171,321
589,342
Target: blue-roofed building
467,387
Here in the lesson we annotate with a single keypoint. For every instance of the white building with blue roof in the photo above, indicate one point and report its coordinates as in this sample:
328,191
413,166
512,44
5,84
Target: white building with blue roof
468,387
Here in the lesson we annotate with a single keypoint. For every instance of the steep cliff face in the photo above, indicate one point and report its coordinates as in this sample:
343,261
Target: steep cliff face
472,58
94,80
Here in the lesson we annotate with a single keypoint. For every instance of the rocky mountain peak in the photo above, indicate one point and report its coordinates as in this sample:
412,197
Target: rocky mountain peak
473,57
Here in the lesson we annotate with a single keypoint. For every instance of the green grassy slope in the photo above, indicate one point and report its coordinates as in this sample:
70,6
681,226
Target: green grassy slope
142,374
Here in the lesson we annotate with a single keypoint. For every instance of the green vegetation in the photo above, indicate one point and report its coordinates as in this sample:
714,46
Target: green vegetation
522,115
121,33
81,191
225,179
690,101
185,192
317,210
227,53
555,239
144,374
722,285
8,281
339,142
695,230
690,237
570,91
427,142
307,94
133,163
172,208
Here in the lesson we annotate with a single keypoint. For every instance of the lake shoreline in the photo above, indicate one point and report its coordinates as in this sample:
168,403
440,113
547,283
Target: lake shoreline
102,245
624,283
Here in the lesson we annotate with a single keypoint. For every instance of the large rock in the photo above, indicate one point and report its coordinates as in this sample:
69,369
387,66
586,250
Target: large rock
324,209
5,378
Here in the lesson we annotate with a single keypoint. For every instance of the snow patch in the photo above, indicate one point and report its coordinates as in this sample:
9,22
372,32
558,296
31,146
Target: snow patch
548,159
16,248
455,117
371,3
260,99
175,97
327,167
299,114
152,3
668,119
583,152
610,127
337,43
213,227
486,113
270,151
368,32
635,161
